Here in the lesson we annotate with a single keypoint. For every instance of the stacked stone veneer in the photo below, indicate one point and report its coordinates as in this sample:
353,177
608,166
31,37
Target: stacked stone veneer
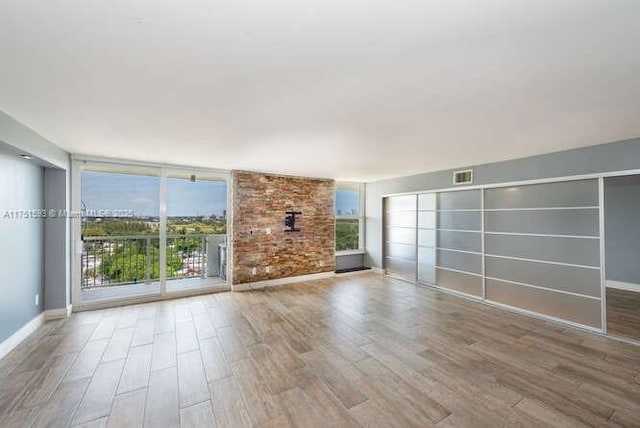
260,202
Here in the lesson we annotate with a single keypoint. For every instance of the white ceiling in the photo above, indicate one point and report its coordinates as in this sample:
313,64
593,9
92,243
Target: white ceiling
349,89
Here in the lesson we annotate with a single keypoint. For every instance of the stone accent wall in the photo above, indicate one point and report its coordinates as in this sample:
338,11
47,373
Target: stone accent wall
260,202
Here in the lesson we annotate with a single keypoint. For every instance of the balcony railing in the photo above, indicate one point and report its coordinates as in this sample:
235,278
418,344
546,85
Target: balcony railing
120,260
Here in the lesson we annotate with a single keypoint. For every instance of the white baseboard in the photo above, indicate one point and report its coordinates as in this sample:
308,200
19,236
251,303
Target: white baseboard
259,285
16,338
56,314
628,286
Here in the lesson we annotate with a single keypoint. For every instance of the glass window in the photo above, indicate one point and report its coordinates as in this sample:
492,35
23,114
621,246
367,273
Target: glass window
347,234
349,218
126,249
347,202
196,230
120,226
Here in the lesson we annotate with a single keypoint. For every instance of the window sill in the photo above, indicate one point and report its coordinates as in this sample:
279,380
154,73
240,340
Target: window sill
349,252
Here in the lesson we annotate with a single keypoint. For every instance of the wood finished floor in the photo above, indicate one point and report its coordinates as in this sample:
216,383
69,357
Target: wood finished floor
359,350
623,313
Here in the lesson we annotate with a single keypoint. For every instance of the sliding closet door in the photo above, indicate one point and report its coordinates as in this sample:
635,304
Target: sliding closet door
542,249
427,238
400,236
459,241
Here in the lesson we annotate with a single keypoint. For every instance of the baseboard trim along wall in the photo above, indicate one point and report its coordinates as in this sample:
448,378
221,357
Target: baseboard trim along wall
16,338
628,286
259,285
19,336
56,314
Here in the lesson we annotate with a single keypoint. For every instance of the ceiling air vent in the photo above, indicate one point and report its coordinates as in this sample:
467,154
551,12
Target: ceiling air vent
463,177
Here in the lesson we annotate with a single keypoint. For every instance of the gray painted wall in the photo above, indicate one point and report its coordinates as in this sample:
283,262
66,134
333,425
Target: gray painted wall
622,228
21,252
35,257
619,156
56,243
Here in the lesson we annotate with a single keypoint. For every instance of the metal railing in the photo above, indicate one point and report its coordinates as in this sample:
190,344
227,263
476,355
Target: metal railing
134,259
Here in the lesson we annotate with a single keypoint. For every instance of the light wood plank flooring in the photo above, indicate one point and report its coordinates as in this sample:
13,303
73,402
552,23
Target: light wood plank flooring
360,350
623,313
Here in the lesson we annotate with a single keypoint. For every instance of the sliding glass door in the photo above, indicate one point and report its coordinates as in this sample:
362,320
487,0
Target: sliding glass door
120,227
196,231
147,231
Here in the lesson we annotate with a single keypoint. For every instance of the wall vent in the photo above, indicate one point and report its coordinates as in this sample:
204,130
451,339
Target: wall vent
463,177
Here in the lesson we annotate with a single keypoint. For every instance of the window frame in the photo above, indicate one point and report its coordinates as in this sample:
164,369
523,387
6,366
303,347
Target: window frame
81,163
360,188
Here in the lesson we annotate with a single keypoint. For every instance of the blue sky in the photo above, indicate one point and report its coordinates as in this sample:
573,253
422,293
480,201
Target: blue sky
107,191
346,200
